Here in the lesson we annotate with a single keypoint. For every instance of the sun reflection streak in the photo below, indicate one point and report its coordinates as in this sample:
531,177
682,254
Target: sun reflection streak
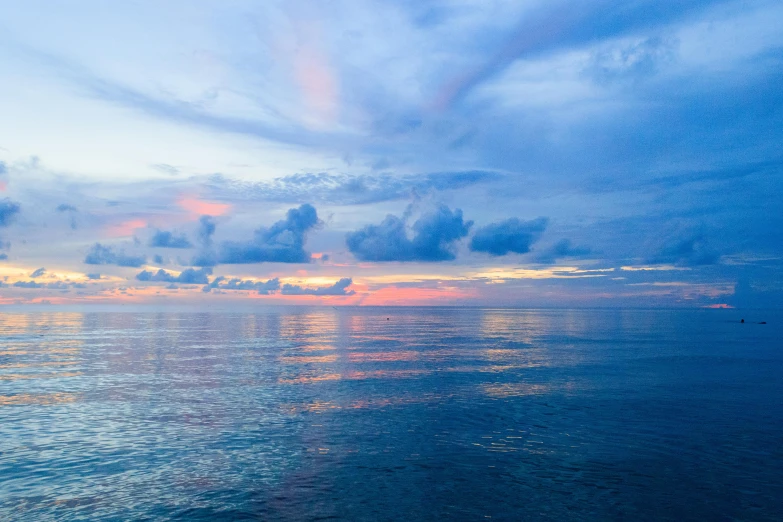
26,399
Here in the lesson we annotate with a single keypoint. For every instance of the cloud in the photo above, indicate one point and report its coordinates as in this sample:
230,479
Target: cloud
511,235
688,250
207,256
8,211
563,248
563,25
262,287
166,239
283,242
339,288
188,276
3,257
28,284
93,276
433,239
206,229
172,108
344,189
634,61
106,255
165,168
55,285
38,273
64,207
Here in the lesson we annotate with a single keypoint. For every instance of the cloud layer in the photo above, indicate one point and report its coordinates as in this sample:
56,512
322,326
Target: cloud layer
647,132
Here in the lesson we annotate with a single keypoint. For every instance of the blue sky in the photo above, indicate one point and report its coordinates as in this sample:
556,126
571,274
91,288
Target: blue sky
532,153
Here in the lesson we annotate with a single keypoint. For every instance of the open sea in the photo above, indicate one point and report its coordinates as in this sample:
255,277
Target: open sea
390,414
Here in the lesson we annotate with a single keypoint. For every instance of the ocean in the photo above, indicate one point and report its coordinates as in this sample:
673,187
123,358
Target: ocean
295,413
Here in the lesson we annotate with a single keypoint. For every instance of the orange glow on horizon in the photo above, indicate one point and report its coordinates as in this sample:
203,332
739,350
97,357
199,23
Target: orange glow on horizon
393,295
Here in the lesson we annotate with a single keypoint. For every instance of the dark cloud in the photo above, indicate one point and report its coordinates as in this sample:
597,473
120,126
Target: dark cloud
563,248
166,239
8,211
106,255
686,250
511,235
38,273
158,259
188,276
339,288
262,287
3,257
433,239
283,242
93,276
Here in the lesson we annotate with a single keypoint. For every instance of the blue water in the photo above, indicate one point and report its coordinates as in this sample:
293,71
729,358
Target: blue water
390,414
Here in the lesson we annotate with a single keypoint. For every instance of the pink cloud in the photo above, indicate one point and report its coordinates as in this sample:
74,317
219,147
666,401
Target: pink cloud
200,207
125,228
315,75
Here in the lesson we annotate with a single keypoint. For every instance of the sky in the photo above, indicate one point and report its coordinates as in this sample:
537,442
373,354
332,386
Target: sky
601,153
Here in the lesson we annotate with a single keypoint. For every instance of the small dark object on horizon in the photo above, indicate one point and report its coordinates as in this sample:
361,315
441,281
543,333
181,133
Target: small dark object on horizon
742,320
763,322
387,318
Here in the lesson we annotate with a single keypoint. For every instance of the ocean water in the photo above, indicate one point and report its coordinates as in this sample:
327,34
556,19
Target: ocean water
390,414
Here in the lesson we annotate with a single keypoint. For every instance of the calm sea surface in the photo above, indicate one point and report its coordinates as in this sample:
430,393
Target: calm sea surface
390,414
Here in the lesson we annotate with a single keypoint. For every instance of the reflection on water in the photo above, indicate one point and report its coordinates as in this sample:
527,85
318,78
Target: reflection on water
368,414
